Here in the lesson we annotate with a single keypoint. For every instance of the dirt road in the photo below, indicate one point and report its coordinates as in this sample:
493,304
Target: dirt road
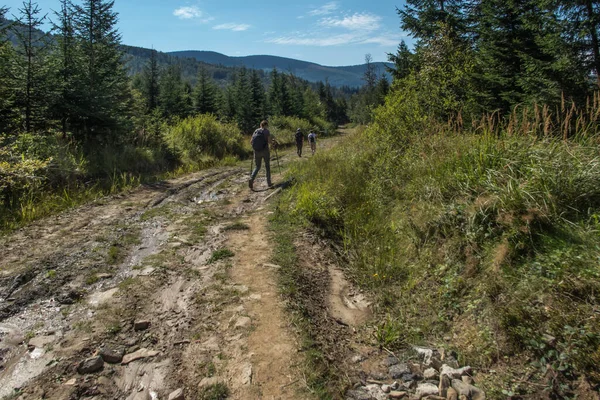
175,277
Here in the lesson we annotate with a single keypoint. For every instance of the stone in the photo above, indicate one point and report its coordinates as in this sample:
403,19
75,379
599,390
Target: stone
454,373
71,382
357,358
212,344
139,354
452,394
376,392
111,356
206,382
390,360
444,385
90,365
243,322
103,276
395,385
426,389
467,379
396,371
430,373
41,341
141,325
247,374
434,397
549,339
469,391
386,388
425,354
177,395
358,394
397,395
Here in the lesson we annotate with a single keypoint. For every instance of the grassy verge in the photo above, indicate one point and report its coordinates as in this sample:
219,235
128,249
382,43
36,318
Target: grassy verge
484,244
304,302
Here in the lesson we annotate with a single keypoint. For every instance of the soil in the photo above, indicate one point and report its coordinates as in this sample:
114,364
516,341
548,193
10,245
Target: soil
74,285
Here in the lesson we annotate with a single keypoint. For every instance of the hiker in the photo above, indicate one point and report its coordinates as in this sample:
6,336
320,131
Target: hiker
312,139
261,139
299,142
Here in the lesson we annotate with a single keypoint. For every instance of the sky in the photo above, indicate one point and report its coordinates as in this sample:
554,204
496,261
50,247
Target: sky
326,32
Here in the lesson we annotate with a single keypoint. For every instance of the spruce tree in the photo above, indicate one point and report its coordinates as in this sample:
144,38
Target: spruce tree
32,95
172,98
205,93
150,82
105,97
244,107
259,103
8,115
67,66
402,60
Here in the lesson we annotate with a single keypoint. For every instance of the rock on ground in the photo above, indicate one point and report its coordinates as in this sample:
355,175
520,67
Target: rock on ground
177,395
90,365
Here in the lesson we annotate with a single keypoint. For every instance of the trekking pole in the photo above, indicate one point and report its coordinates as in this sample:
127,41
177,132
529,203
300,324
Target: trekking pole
251,164
277,155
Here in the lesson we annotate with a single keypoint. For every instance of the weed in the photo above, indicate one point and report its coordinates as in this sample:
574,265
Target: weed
115,255
83,326
218,391
91,279
220,254
237,226
51,274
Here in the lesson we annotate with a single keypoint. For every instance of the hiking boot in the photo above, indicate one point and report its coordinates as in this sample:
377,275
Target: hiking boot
251,184
270,185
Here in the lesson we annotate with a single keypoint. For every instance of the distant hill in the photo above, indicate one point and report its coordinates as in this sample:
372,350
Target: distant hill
337,76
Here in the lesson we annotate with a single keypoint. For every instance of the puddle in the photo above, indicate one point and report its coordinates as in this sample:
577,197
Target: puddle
152,238
345,303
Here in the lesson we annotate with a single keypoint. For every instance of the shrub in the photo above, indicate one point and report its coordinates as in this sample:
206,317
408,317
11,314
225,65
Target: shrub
202,139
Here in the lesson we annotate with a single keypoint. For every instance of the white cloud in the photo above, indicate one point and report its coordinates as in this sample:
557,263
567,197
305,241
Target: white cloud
384,40
233,27
357,21
329,40
188,12
324,9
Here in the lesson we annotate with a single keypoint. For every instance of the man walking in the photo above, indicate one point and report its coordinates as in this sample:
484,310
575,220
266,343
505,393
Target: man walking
299,142
312,139
261,139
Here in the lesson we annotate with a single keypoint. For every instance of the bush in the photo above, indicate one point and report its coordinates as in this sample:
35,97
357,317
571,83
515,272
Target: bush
202,139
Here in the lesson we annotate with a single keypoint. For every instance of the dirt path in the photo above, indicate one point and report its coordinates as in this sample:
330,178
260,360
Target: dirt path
149,275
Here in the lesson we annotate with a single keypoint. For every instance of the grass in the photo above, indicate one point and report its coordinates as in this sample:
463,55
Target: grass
320,377
237,226
220,254
218,391
490,238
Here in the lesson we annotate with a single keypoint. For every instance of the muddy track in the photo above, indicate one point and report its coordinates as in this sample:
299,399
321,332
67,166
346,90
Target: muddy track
76,286
166,287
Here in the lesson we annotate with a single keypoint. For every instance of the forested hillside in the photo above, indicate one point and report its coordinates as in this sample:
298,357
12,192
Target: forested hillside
351,76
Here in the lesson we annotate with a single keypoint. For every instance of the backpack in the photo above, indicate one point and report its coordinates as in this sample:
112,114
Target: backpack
312,137
259,140
298,136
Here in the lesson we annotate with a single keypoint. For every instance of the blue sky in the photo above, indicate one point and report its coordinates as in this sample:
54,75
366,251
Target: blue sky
326,32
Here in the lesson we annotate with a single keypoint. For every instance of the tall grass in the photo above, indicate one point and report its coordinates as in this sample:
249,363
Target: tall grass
488,234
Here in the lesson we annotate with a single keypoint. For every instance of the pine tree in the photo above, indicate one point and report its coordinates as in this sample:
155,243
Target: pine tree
205,93
423,18
105,96
279,96
172,98
7,79
402,60
67,68
32,96
244,107
150,83
259,103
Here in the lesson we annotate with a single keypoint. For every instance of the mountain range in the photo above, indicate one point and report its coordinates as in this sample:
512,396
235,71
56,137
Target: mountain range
337,76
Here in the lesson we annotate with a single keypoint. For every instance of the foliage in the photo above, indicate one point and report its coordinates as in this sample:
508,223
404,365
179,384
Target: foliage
195,138
482,230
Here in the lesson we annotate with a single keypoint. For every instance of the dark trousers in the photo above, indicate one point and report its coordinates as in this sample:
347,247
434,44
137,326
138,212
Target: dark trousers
299,148
259,156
